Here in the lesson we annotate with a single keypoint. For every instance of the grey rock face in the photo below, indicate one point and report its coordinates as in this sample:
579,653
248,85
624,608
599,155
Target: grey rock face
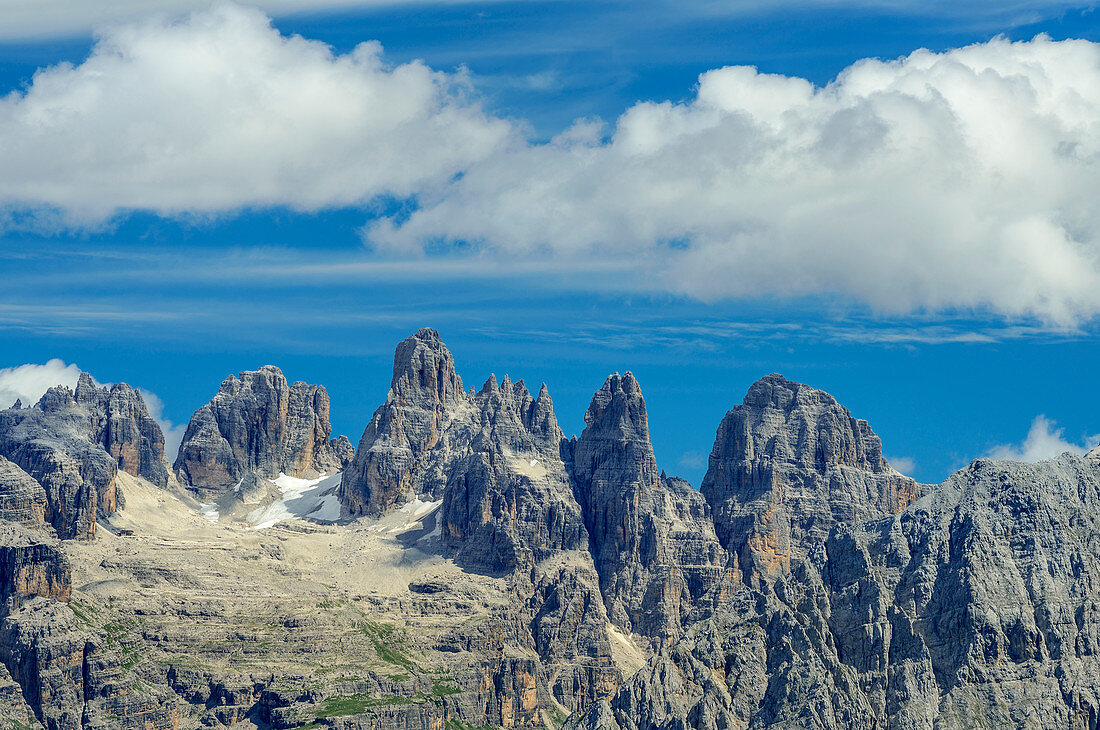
13,708
787,465
508,502
72,444
51,443
652,537
22,499
974,607
258,423
72,681
32,565
494,458
119,422
397,457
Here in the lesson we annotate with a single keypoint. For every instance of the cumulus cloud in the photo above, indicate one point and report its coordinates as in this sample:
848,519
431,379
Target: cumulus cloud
1045,440
960,181
963,179
29,382
219,111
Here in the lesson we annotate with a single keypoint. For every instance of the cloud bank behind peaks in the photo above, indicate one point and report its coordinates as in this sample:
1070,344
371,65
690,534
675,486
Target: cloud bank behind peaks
219,111
30,381
957,180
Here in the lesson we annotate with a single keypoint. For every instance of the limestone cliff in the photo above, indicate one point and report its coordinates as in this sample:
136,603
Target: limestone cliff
257,423
788,464
494,460
652,537
400,453
22,499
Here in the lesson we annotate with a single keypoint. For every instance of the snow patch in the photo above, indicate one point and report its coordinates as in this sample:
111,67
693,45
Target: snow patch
209,510
300,498
407,517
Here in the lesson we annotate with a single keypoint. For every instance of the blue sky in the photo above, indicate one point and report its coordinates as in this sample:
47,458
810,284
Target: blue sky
171,277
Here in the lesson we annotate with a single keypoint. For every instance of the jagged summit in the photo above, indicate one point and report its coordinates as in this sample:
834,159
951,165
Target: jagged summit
651,537
788,464
73,443
507,577
258,423
424,371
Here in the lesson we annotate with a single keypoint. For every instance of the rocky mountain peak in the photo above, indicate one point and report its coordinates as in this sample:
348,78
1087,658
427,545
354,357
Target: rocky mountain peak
424,371
259,423
618,410
56,399
788,464
393,458
490,385
86,389
73,443
651,538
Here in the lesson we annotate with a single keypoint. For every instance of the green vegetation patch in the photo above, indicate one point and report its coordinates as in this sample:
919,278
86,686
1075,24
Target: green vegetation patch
387,644
16,725
442,687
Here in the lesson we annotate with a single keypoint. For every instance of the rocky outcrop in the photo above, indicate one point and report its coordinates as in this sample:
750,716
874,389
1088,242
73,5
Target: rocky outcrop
32,565
120,422
400,454
15,714
652,537
975,606
22,499
257,423
73,443
508,502
787,465
72,680
51,442
494,459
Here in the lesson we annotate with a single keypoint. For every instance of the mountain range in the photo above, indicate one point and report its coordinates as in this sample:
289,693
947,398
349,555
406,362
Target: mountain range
468,566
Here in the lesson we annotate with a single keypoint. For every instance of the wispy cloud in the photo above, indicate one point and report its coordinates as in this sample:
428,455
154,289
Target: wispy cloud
173,432
25,19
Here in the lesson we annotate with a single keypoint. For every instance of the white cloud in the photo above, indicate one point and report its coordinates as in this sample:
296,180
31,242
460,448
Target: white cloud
693,460
173,433
902,464
958,181
1044,441
218,111
29,382
938,181
45,18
